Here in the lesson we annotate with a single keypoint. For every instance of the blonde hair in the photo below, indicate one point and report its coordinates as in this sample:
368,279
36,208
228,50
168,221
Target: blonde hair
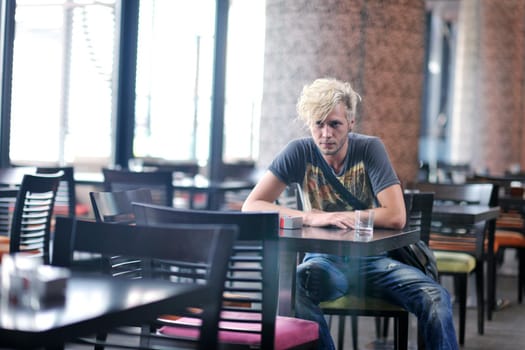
320,97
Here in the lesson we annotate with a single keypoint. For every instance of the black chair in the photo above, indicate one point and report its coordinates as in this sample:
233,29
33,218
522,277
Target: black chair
201,253
509,231
7,208
254,264
66,203
459,248
160,183
30,228
116,206
419,215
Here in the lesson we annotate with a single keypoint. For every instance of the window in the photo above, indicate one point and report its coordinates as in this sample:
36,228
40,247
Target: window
64,78
174,79
62,92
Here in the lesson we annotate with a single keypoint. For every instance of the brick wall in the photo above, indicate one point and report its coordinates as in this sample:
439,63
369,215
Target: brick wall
376,45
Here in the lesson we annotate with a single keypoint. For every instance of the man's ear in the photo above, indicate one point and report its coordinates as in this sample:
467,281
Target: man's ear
351,124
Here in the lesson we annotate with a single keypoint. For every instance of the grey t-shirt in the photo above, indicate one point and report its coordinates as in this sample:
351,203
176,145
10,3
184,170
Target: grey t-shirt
366,172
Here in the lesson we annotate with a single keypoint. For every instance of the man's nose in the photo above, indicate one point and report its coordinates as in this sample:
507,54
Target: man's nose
326,131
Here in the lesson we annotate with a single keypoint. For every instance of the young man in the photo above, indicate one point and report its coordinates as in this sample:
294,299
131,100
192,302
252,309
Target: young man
361,164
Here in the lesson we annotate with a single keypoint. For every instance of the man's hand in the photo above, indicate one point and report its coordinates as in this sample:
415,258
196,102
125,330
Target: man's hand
341,219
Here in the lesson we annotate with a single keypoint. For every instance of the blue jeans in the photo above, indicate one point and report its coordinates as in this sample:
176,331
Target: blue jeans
327,277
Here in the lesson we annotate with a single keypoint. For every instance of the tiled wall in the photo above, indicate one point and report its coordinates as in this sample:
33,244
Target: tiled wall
376,45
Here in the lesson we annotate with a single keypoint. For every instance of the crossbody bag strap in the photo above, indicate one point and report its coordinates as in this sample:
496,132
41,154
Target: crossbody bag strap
349,197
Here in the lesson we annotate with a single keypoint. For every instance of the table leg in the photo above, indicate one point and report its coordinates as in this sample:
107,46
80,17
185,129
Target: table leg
491,268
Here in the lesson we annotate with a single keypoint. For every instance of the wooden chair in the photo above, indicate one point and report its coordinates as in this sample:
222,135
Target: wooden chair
419,214
459,249
253,265
201,253
160,183
30,226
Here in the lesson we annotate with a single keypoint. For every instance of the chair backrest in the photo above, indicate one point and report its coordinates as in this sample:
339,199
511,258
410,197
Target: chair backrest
160,183
459,237
7,208
254,263
292,197
201,253
66,200
419,212
467,193
31,224
116,206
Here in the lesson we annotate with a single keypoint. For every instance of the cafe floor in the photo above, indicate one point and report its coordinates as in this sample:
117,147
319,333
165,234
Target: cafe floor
506,330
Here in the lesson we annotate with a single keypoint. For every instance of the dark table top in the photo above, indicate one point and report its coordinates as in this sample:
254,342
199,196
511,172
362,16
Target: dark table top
93,304
464,214
344,242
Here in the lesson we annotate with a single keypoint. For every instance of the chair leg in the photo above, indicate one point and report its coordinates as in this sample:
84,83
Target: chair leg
402,332
378,327
385,327
461,288
520,256
341,332
480,282
420,337
102,337
354,333
491,285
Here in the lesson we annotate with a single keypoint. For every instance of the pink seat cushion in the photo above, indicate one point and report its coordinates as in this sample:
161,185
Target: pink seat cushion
289,331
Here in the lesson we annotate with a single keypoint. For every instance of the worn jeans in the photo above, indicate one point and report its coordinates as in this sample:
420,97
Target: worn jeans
324,277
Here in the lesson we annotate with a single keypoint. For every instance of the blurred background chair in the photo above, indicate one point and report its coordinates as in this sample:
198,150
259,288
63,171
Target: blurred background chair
460,248
249,318
116,206
30,227
204,248
419,215
160,183
66,200
509,231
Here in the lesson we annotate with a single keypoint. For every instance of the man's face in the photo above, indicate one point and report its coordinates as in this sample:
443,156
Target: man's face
331,135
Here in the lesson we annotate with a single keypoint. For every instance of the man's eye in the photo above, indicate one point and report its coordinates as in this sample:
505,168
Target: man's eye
334,124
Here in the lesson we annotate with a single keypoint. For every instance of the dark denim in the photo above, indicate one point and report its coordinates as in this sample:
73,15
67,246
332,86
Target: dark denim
326,277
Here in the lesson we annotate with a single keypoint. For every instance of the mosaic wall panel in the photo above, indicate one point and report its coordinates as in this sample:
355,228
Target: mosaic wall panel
502,54
376,45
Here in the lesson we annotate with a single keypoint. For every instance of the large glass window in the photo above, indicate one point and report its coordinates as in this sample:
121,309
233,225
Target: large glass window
64,66
175,76
62,92
174,79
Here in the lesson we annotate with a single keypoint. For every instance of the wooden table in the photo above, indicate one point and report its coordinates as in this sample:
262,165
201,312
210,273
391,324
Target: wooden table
469,215
330,241
93,304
